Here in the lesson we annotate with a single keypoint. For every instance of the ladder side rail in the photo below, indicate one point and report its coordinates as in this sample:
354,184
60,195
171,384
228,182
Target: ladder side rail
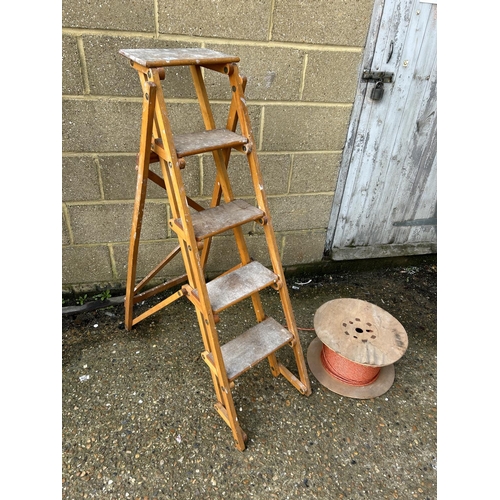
171,164
222,385
148,129
148,110
170,167
205,337
223,179
209,122
256,173
232,122
206,320
175,186
146,76
268,227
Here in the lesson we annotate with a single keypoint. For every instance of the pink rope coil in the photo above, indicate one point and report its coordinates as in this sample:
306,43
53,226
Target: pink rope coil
347,371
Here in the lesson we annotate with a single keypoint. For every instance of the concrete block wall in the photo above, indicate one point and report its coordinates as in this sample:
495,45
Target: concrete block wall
302,60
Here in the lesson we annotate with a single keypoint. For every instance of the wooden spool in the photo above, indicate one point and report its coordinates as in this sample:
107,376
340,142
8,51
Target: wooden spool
365,336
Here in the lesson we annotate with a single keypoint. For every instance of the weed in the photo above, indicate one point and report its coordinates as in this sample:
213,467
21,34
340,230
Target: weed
103,295
410,270
81,300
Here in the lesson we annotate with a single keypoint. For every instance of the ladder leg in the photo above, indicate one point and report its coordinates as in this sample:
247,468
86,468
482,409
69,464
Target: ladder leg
228,414
303,384
225,407
225,404
205,336
149,89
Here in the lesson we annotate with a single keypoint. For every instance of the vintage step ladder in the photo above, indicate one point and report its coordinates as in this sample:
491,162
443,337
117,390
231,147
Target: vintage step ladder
195,226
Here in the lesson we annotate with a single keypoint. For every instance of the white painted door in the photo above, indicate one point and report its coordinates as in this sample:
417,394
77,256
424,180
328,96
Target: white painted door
385,202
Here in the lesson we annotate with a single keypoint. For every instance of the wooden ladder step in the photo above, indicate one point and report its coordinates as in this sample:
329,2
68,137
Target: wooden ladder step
252,346
217,219
236,285
200,142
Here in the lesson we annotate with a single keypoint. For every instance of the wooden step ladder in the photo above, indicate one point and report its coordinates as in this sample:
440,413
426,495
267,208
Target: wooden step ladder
195,226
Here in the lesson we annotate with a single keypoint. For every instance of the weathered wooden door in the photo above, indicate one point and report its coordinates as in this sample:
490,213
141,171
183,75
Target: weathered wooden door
385,202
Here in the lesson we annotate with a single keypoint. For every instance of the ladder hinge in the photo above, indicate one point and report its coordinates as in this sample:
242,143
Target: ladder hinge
278,284
229,69
245,148
181,162
159,71
191,294
231,386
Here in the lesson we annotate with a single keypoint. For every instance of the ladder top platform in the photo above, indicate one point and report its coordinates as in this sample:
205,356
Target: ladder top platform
158,58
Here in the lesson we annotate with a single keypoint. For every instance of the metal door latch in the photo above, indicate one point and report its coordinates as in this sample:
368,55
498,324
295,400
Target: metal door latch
377,76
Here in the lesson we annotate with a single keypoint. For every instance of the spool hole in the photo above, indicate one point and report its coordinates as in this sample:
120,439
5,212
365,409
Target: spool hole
359,330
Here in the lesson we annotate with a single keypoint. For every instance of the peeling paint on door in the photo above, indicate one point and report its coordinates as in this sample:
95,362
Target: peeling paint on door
387,180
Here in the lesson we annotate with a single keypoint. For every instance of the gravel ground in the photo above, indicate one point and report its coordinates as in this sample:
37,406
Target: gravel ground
137,407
